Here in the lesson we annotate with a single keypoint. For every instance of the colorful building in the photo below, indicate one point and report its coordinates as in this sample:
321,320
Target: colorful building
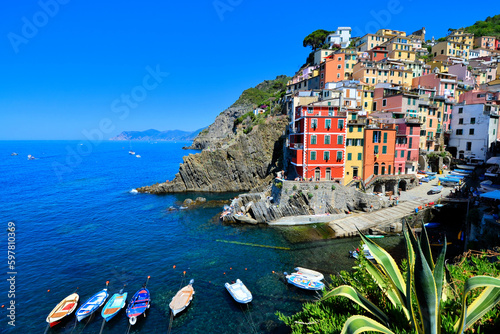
332,69
378,150
342,37
354,147
485,42
452,49
317,142
386,71
460,36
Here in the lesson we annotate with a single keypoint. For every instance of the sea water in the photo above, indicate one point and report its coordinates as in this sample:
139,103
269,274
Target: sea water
79,223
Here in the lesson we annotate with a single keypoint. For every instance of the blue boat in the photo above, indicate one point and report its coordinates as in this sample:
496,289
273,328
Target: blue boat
92,304
114,305
432,224
449,179
304,282
465,171
436,189
139,303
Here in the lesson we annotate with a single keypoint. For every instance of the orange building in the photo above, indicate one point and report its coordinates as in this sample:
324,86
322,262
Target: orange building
332,69
378,150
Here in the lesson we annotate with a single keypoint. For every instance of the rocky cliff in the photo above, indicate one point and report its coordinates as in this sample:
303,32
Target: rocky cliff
223,126
241,163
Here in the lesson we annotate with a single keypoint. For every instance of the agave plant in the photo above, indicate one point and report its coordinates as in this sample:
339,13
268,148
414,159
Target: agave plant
419,296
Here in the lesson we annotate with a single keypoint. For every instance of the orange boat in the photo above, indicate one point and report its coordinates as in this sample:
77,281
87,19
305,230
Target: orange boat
64,308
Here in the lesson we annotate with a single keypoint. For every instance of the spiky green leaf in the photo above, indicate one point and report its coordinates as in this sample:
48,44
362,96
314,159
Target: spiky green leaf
426,248
358,324
481,305
351,293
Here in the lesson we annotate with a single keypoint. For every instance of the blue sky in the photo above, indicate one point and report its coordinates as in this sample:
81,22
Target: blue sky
69,67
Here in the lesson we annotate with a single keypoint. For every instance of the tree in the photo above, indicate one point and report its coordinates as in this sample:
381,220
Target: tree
316,39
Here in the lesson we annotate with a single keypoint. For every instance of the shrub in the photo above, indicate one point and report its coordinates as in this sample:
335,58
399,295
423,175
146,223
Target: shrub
309,195
316,187
333,187
294,187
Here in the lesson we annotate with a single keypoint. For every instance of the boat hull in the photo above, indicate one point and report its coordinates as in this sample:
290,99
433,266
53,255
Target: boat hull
63,309
182,299
114,305
239,292
304,282
92,304
138,305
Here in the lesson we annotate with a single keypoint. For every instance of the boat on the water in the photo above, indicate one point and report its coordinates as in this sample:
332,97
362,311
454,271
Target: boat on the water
92,304
63,309
182,298
30,157
304,282
239,292
245,219
366,253
374,236
114,305
432,225
131,152
14,153
137,156
313,274
138,305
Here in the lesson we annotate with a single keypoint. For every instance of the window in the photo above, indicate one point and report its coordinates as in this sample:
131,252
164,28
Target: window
339,156
469,146
471,131
389,169
473,120
327,139
349,156
411,143
328,124
314,123
360,156
326,155
375,169
411,130
360,128
351,128
376,136
460,110
402,154
384,149
313,155
340,140
384,102
459,132
341,124
385,137
313,139
460,121
375,149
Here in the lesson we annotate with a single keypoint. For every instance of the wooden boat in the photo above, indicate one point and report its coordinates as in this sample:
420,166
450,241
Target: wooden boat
304,282
138,305
313,274
467,167
63,309
182,298
239,292
114,305
92,304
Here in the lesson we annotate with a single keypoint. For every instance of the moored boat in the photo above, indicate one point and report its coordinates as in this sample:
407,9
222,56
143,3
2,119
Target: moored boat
182,298
63,309
138,304
313,274
467,167
304,282
436,189
239,292
92,304
131,152
114,305
366,253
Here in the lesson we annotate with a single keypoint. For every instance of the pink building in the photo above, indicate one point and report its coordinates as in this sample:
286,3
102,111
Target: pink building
393,99
444,83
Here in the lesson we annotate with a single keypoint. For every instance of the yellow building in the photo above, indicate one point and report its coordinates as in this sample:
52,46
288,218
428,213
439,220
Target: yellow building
367,98
372,73
350,60
461,37
391,33
442,66
400,48
354,146
451,49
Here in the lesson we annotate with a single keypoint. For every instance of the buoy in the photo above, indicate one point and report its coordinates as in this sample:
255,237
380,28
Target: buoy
174,266
48,290
224,273
245,268
230,268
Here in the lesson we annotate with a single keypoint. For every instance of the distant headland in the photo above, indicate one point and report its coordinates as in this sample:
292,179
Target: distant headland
155,135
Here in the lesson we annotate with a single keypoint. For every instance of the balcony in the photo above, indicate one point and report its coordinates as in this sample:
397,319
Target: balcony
297,146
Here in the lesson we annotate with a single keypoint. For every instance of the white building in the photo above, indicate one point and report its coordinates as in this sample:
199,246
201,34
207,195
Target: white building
473,130
342,37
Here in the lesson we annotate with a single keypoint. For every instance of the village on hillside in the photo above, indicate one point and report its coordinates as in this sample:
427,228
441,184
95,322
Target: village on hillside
386,105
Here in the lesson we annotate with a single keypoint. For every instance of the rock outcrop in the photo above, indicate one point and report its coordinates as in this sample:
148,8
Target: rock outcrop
245,162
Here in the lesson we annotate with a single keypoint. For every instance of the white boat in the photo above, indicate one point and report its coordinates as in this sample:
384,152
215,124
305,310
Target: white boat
366,253
131,152
30,157
137,156
304,282
14,153
182,298
239,292
467,167
91,305
436,189
313,274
